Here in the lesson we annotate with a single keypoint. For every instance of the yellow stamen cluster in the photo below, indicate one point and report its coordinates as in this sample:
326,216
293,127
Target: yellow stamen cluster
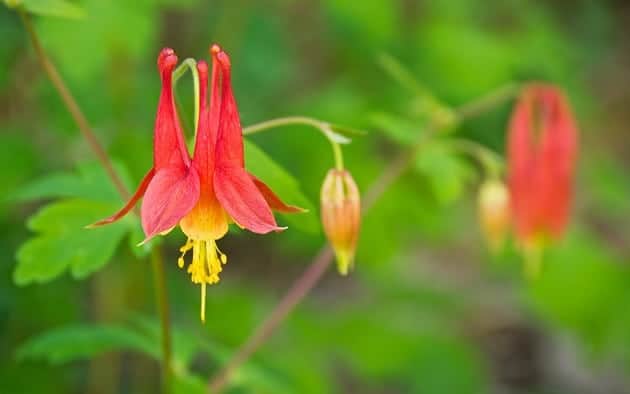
205,266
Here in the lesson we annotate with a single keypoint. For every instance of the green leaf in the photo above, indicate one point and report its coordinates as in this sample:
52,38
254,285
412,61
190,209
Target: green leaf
446,172
62,242
186,346
71,343
89,182
60,8
285,186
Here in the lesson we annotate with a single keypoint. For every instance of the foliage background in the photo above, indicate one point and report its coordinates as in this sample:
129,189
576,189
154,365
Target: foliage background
427,310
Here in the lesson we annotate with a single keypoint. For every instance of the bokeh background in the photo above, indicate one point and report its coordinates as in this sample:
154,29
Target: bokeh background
427,310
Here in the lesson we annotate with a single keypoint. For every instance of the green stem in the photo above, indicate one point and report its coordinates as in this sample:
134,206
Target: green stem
407,80
323,127
488,101
286,121
161,297
338,155
190,64
491,161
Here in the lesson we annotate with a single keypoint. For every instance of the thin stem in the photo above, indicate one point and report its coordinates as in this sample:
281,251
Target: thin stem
191,64
324,258
406,79
298,290
292,120
488,101
72,106
99,151
469,110
338,155
161,298
491,161
286,121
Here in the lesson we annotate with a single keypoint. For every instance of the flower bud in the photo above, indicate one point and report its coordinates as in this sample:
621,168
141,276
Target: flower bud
341,216
494,212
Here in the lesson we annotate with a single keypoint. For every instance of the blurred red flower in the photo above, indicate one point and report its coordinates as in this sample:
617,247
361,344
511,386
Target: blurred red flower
542,149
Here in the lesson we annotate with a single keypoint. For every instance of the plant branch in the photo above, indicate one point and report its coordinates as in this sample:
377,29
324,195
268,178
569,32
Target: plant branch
315,271
99,151
286,121
325,128
296,293
73,107
161,298
488,101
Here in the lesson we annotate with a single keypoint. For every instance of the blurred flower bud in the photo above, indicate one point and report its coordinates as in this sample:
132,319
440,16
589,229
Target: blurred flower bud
494,212
542,149
341,216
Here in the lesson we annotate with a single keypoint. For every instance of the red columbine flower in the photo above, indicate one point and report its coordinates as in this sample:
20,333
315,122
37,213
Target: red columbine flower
542,150
341,216
206,193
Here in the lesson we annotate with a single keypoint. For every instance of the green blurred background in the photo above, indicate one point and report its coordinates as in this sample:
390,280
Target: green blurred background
427,310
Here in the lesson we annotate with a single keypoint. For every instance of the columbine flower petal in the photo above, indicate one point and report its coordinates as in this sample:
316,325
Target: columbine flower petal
169,152
172,193
243,202
274,202
169,148
234,188
132,201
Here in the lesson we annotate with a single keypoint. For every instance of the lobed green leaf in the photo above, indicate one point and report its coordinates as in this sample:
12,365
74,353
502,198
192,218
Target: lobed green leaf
62,243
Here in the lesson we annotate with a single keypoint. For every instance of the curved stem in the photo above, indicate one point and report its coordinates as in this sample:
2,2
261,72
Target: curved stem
72,106
491,161
324,127
315,271
161,298
286,121
191,64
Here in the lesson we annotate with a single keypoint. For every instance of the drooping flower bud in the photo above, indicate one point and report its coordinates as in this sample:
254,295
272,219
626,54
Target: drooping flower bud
542,148
494,212
341,216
